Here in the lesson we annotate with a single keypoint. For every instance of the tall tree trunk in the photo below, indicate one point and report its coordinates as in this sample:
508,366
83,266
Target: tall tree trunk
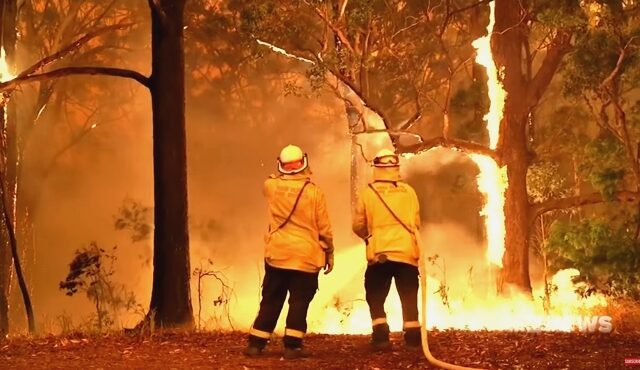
170,297
506,44
9,160
515,270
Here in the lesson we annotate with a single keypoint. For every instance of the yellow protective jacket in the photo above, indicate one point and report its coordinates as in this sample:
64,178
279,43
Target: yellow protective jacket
302,242
374,223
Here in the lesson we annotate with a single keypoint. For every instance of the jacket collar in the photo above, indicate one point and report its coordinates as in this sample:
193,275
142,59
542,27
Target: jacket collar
386,174
304,175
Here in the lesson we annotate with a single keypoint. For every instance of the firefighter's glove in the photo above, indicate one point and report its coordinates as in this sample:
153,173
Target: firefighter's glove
328,262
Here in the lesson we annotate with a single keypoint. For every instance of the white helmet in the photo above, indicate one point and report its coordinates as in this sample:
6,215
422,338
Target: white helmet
386,158
292,153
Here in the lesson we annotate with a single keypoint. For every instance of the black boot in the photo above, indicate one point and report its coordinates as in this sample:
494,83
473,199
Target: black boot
293,348
380,337
412,337
255,346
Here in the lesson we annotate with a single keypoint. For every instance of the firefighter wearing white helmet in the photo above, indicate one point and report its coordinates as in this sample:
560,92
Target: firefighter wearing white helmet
298,244
387,217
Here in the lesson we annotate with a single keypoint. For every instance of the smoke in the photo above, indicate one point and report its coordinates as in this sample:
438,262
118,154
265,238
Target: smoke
339,305
228,162
234,135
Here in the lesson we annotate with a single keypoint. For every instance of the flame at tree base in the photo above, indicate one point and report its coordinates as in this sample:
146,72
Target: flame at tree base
475,310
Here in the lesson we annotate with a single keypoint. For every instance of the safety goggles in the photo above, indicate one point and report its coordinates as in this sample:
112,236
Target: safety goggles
387,161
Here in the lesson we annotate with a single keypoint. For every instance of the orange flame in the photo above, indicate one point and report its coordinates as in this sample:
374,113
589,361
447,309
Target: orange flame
5,71
492,181
497,94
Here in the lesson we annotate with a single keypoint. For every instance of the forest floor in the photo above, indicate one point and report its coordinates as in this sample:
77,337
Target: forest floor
174,350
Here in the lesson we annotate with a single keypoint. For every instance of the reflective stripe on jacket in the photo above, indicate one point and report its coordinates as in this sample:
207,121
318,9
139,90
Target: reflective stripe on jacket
373,222
301,243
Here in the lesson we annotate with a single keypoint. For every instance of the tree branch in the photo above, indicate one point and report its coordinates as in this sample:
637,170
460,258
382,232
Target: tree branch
343,7
582,200
71,71
550,64
607,84
465,8
365,100
461,145
70,48
416,116
364,69
338,32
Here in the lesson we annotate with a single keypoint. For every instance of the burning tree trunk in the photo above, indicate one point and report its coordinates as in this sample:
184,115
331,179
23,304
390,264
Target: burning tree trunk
170,298
513,143
523,94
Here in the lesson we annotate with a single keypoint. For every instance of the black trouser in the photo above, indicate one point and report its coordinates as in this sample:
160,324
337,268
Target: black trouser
301,287
377,282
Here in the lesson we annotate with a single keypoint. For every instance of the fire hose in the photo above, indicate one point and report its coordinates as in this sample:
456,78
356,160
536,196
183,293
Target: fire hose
423,327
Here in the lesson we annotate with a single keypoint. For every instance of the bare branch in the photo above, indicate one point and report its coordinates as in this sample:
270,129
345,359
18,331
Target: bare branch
601,117
461,145
364,69
582,200
468,7
615,73
343,7
550,64
417,115
338,32
70,48
365,100
425,145
282,51
71,71
446,20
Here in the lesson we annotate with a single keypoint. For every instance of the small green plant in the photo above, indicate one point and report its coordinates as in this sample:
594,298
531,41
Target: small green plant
91,272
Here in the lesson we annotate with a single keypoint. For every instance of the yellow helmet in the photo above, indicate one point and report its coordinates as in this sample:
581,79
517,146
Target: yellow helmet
290,154
386,158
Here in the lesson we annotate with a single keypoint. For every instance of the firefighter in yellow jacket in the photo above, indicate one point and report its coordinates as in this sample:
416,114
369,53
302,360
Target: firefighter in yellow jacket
387,217
298,244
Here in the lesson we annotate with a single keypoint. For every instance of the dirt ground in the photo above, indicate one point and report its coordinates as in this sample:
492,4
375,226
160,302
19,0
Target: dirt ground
172,350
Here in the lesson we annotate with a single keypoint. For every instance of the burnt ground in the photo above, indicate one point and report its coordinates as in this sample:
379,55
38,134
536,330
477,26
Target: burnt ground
173,350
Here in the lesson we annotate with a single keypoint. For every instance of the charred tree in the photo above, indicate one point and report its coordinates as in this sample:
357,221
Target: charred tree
5,249
170,297
9,255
